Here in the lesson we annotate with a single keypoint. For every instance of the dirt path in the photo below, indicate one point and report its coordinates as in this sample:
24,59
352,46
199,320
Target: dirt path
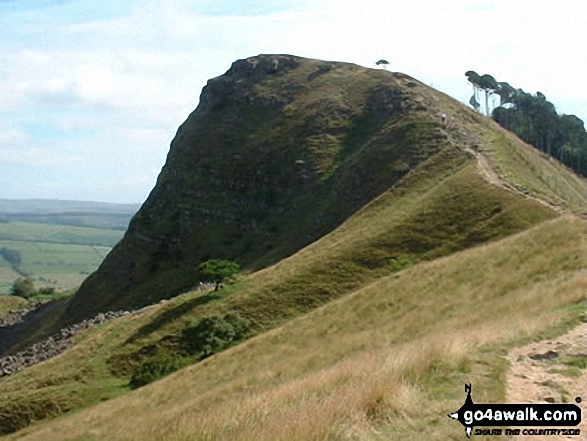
550,371
471,143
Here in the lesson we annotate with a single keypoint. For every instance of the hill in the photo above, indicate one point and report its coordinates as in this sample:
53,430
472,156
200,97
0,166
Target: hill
76,213
280,151
358,222
386,362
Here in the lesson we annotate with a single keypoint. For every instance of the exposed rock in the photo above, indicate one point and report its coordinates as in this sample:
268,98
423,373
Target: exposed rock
544,357
51,346
15,317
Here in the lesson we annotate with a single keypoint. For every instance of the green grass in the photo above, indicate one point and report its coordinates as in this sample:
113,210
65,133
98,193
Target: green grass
441,207
58,256
387,362
344,325
520,165
62,266
7,276
532,172
64,234
9,303
579,361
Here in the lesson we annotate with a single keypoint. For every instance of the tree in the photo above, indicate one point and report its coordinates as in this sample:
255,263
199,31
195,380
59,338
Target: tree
473,102
474,78
489,86
24,288
383,63
506,93
218,271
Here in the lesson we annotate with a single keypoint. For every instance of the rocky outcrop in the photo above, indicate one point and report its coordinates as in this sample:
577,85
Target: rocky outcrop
51,346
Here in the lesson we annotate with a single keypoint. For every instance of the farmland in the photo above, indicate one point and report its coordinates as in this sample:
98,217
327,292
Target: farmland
57,256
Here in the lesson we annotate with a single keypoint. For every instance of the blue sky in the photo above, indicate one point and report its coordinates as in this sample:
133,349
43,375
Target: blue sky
92,92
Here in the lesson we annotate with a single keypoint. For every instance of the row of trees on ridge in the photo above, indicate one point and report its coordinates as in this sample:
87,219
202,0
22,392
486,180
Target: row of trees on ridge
534,119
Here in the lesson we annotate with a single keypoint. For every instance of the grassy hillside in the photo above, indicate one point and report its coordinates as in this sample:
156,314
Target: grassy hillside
357,181
9,303
442,207
387,362
272,160
522,167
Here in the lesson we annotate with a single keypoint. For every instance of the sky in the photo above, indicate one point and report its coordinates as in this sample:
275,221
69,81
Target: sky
92,91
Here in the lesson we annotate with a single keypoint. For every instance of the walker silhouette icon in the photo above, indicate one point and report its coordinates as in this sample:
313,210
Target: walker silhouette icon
459,414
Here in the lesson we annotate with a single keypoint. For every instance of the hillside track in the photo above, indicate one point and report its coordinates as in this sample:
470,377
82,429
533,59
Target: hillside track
470,142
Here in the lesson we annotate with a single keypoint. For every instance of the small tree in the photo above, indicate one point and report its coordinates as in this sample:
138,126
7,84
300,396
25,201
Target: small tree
218,271
24,288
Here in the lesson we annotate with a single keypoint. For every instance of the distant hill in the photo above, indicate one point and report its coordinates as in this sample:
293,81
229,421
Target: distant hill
76,213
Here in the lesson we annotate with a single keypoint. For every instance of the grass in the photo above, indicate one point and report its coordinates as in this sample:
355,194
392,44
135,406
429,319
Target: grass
7,276
520,165
10,303
62,266
439,208
386,362
355,331
64,234
58,256
531,172
578,361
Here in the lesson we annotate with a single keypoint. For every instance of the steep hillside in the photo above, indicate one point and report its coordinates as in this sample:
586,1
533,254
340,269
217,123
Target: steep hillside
443,207
386,362
383,187
279,152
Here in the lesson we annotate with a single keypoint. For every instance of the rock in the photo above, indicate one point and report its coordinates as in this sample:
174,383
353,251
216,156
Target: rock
544,357
52,345
549,400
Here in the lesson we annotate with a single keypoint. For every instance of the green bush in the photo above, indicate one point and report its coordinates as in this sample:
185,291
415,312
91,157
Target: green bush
24,288
218,271
214,334
47,290
163,363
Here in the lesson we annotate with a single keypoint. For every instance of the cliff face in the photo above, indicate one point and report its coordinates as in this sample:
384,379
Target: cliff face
279,151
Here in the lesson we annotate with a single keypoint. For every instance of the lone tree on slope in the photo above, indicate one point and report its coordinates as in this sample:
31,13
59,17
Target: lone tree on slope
218,271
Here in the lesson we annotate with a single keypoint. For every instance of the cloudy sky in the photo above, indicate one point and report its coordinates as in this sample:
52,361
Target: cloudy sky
92,91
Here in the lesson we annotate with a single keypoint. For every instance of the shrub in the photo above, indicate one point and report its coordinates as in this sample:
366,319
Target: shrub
214,334
24,288
163,363
47,290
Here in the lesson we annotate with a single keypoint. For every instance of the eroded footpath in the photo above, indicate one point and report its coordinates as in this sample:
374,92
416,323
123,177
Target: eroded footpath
550,371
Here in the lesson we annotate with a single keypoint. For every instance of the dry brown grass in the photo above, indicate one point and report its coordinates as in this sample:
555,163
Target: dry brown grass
386,362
